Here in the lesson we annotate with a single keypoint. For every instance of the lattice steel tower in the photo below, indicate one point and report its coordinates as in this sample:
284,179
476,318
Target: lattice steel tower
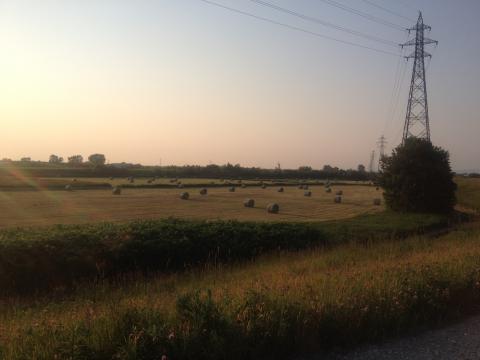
417,122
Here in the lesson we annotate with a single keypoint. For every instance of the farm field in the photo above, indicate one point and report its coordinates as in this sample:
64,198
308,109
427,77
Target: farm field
32,208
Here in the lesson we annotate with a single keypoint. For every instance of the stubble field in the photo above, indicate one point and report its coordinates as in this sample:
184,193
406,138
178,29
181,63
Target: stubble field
45,207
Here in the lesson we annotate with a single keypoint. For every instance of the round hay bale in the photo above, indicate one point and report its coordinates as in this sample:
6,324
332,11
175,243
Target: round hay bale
232,189
117,190
339,193
273,208
307,193
204,191
281,190
184,196
249,203
338,199
377,202
328,190
68,187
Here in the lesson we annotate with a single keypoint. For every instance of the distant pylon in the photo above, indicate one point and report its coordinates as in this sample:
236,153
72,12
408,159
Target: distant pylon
382,143
417,122
372,161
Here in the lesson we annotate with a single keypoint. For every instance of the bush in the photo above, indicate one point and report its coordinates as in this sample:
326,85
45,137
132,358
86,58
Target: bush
417,178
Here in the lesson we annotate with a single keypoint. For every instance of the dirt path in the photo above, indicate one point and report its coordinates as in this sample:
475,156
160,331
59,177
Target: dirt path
457,342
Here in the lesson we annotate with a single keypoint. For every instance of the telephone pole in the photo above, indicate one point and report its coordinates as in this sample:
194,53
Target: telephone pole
417,122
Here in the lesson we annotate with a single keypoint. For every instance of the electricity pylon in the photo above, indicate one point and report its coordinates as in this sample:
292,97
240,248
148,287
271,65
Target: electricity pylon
382,143
417,122
372,161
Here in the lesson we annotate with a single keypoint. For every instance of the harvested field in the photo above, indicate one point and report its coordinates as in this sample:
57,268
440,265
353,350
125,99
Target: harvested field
34,208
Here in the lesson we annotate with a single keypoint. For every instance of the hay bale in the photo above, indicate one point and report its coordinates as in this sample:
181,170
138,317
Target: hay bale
273,208
328,190
204,191
281,190
184,196
338,199
249,203
117,190
377,202
307,193
68,187
232,189
339,193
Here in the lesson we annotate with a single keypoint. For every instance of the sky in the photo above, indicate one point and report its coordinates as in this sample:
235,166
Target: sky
186,82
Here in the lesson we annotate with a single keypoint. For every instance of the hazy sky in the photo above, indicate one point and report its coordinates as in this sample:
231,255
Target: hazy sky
191,83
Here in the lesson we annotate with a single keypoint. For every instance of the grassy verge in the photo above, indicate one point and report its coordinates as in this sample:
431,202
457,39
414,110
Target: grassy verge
279,305
44,258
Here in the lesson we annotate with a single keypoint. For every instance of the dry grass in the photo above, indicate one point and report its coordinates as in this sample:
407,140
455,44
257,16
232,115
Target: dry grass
381,289
468,193
32,208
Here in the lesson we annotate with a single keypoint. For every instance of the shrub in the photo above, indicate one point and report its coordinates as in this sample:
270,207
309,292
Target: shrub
417,178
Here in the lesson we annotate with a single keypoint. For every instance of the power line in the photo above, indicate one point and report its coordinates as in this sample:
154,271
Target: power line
292,27
325,23
406,5
387,10
364,14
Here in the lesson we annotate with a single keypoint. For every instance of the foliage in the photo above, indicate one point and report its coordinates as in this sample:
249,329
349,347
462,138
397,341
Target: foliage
38,259
417,177
75,159
55,159
228,171
97,160
275,308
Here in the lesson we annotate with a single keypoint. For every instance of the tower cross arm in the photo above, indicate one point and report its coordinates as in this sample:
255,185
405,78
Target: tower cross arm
420,26
413,55
427,41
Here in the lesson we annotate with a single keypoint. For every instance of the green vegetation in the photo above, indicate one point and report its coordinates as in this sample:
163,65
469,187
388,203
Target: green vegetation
417,178
43,258
227,289
279,305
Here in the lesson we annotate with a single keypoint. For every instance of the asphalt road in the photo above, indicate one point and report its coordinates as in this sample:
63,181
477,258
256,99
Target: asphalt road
458,342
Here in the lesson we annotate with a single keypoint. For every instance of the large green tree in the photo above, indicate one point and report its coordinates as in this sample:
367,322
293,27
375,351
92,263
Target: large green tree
418,178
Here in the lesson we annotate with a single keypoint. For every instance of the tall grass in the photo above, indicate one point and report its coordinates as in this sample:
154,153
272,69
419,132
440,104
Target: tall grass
40,259
278,305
